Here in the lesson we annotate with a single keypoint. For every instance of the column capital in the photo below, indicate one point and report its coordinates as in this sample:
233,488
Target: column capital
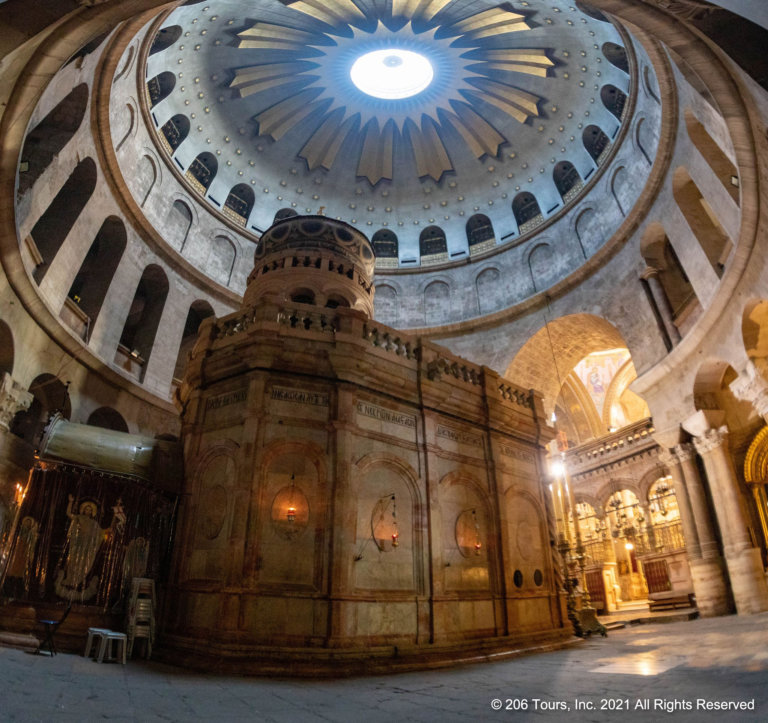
13,398
751,386
711,439
649,272
684,452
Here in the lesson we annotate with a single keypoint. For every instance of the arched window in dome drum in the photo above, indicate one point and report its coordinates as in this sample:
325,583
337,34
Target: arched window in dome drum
175,131
432,242
284,213
239,203
160,87
44,142
613,99
567,180
198,311
165,38
90,286
202,171
596,143
479,229
526,210
587,9
384,244
138,336
53,227
616,55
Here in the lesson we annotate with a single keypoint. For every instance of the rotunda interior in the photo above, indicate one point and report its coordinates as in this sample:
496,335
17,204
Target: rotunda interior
382,324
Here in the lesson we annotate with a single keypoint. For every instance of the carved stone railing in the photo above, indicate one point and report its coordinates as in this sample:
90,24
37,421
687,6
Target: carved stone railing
514,394
626,442
464,372
308,320
389,340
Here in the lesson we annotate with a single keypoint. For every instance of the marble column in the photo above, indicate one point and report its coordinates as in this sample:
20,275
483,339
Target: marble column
704,560
742,558
660,300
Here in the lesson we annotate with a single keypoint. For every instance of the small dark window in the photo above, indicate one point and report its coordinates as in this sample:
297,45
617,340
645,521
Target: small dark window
538,578
160,87
176,130
203,169
613,99
517,578
595,141
479,229
385,244
432,241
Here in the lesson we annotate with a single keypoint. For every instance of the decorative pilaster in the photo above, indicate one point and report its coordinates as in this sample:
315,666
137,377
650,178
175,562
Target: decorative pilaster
743,560
13,399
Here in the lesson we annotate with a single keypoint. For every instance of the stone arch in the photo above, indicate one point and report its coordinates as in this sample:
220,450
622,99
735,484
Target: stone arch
641,143
593,12
614,99
165,38
567,180
619,186
659,254
175,130
90,286
437,302
160,87
143,319
613,485
7,355
479,229
713,154
631,407
87,49
239,203
386,304
146,177
525,539
616,55
712,392
432,242
526,211
702,220
693,79
568,339
596,143
49,395
540,265
131,125
202,171
221,259
178,224
488,289
588,231
57,221
47,139
284,213
131,54
648,83
754,333
107,418
198,311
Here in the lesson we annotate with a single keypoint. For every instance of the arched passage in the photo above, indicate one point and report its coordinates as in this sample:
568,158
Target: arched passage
46,140
90,286
57,221
720,164
6,350
108,418
702,220
198,311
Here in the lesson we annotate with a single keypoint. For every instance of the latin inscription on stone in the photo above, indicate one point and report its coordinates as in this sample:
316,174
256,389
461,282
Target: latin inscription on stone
299,396
386,415
226,400
460,437
508,451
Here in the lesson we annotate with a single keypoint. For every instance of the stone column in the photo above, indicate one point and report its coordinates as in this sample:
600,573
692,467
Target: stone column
660,300
743,560
704,560
13,399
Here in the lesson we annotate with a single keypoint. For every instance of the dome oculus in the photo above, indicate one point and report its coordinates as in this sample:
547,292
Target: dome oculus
391,74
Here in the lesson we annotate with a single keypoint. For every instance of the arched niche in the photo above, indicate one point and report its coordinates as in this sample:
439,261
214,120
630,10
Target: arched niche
489,290
542,266
239,203
130,116
138,336
712,391
567,180
526,211
146,178
47,139
596,143
49,395
649,83
54,225
198,311
702,220
202,171
437,302
165,38
175,130
160,87
386,304
107,418
614,99
178,224
525,542
221,259
92,281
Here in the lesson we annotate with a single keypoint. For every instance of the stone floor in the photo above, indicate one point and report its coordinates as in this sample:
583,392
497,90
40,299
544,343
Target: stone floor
667,667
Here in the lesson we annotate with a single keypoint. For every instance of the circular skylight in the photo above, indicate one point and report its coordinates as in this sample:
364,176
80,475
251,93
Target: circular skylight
391,74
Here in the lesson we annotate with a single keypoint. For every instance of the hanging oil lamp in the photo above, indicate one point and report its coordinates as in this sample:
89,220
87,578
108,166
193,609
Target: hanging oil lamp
395,533
478,544
291,514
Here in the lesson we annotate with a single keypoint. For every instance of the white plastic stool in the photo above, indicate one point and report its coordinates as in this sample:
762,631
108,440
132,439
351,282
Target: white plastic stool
110,637
92,634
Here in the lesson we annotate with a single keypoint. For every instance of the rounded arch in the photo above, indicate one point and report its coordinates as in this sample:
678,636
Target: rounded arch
616,484
129,56
49,395
179,223
147,172
107,418
386,304
202,171
131,116
488,289
46,140
614,99
479,229
7,356
648,83
432,241
165,38
221,259
567,180
87,49
526,211
284,213
643,144
437,302
754,333
199,310
385,244
596,143
160,87
239,203
616,55
175,130
713,154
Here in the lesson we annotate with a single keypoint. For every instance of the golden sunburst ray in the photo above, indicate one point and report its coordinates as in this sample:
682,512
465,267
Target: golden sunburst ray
331,12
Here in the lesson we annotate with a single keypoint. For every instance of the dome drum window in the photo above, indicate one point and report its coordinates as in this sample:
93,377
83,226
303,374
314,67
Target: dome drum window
527,213
480,234
614,100
239,204
160,87
433,246
174,132
597,143
385,247
567,181
202,171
